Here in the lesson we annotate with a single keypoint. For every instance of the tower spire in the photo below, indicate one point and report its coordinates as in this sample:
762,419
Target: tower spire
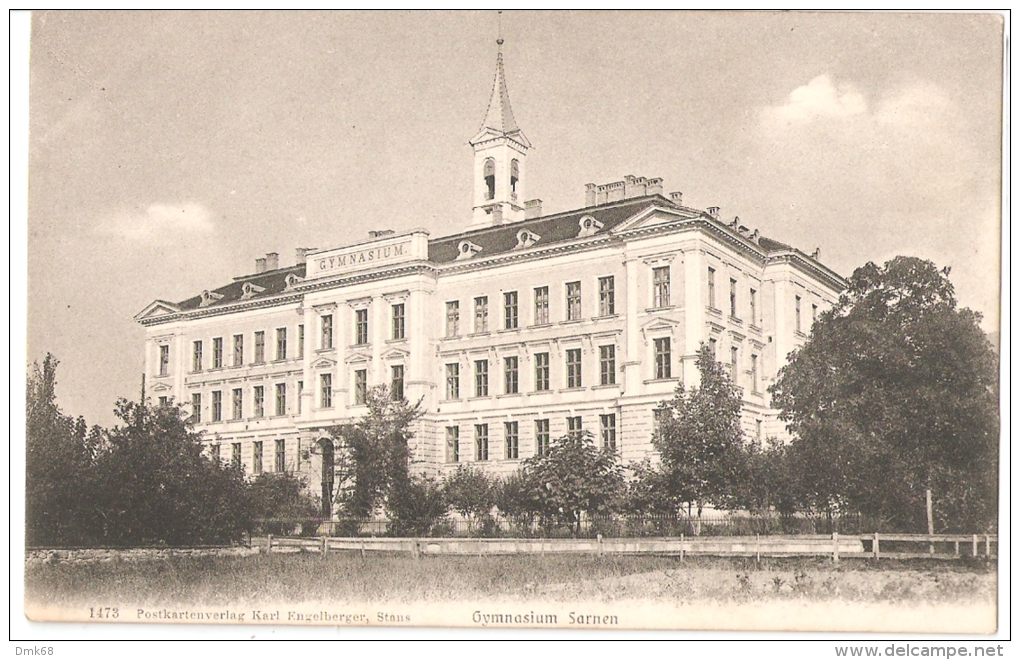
499,117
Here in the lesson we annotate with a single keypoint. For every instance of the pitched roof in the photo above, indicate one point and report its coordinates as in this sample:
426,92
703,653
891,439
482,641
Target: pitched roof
551,228
270,282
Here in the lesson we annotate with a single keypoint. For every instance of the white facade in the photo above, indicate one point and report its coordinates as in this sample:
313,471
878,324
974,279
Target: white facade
508,333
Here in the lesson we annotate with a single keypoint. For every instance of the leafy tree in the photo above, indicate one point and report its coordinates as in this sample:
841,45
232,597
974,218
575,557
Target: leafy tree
516,501
648,493
699,438
574,477
373,457
153,484
416,506
59,453
895,393
471,493
278,499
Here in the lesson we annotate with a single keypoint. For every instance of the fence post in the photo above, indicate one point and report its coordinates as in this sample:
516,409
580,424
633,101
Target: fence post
599,538
362,547
325,546
757,547
681,547
988,545
956,547
835,547
973,551
874,543
269,542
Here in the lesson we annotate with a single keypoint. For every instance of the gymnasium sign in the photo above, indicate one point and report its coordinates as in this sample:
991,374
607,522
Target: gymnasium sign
362,257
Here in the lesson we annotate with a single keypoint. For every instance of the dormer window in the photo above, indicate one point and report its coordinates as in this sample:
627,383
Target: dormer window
526,239
293,280
588,226
467,249
209,297
249,290
514,177
489,174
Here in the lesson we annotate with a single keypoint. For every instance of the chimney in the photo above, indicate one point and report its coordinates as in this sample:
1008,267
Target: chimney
376,233
260,265
714,211
677,198
301,255
589,194
654,187
272,260
533,208
633,186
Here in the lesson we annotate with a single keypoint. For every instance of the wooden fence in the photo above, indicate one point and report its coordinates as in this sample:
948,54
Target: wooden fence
835,546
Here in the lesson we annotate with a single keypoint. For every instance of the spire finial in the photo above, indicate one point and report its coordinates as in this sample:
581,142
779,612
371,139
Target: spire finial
499,28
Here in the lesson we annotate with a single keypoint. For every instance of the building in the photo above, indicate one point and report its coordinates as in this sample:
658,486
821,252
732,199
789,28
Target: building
513,333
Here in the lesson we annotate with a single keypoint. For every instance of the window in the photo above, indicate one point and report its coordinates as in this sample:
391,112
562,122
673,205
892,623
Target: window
733,298
796,308
607,296
752,304
489,174
260,400
733,363
453,318
481,378
660,286
256,457
453,381
326,323
196,408
515,175
711,348
542,305
754,373
326,390
481,314
757,430
300,394
238,350
510,365
659,417
361,326
260,347
163,400
814,313
574,425
301,340
281,456
711,288
235,454
663,362
196,356
607,427
397,381
541,372
360,387
541,437
573,367
217,406
214,452
281,343
397,323
217,352
481,442
573,301
607,365
164,360
238,403
512,440
510,310
281,399
452,444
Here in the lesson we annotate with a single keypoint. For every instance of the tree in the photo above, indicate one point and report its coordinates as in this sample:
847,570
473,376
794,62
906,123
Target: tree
895,394
279,499
154,485
59,453
471,493
515,500
699,438
374,456
572,478
415,506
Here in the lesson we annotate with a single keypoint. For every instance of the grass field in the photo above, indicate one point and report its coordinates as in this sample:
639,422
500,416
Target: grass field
346,578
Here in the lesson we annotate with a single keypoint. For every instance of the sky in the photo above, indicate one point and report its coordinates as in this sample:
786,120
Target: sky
168,150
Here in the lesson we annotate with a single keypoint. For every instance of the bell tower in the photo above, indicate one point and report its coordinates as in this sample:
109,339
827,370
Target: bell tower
500,154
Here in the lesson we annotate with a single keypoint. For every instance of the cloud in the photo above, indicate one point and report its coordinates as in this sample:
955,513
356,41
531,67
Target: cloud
820,98
159,221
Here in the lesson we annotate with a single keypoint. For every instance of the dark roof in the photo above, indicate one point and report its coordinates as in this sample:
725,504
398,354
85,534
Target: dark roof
770,245
551,228
273,281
